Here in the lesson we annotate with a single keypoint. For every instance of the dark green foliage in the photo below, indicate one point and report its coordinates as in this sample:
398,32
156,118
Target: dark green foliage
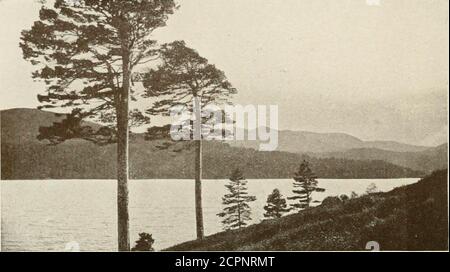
183,75
409,218
145,243
276,205
79,47
305,183
73,127
236,211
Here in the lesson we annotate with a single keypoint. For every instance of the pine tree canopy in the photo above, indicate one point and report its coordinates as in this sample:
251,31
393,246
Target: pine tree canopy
145,242
182,75
276,205
305,183
79,49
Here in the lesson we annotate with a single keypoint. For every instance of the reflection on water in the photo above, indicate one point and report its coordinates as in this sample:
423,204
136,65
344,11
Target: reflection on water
47,215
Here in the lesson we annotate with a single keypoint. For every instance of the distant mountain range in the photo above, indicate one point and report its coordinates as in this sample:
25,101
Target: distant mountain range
312,142
341,145
332,155
427,160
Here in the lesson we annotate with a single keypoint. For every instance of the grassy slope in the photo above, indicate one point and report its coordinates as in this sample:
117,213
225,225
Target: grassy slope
413,217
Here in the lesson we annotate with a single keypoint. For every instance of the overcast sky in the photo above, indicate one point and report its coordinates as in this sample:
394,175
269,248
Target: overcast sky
378,72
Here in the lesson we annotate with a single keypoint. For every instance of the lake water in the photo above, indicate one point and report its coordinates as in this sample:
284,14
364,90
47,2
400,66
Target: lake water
46,215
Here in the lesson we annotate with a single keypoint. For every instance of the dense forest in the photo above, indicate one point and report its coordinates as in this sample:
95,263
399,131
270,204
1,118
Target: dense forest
78,159
25,157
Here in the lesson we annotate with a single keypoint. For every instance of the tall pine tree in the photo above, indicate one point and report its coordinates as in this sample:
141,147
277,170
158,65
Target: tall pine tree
276,205
184,78
305,183
85,51
236,211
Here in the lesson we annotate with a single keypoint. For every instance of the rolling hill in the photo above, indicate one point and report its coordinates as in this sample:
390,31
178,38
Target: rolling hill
427,160
312,142
25,157
344,146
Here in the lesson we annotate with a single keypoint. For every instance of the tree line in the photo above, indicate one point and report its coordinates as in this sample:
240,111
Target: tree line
237,210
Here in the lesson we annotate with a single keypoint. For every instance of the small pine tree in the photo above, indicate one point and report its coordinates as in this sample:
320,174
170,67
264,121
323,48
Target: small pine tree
236,211
372,188
305,183
145,243
276,205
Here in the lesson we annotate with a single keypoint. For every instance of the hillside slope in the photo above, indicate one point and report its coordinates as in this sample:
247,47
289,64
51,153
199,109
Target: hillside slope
426,161
414,217
21,125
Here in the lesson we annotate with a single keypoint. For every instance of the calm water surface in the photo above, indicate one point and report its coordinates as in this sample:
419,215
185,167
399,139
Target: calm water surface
46,215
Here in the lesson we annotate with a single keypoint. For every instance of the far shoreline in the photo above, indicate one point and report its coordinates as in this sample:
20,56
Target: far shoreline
192,179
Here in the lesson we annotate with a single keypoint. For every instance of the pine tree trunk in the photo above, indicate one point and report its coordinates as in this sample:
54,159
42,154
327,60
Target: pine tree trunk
239,204
122,179
198,169
122,112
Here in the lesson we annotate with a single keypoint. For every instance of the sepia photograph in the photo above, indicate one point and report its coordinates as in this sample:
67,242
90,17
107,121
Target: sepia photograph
224,125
